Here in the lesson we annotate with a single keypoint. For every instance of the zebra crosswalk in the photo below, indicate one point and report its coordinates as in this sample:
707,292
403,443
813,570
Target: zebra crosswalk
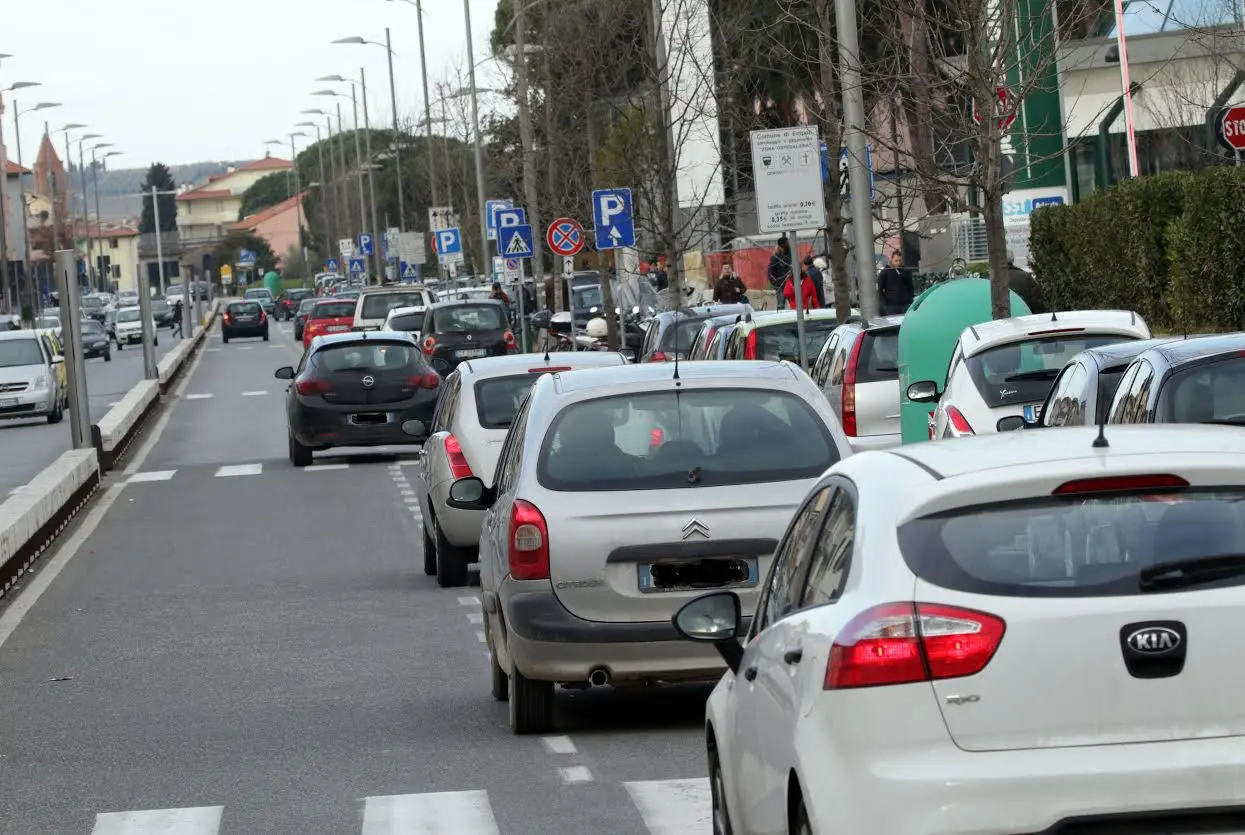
666,807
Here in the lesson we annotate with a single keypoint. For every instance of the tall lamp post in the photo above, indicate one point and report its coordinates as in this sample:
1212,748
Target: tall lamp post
92,265
298,203
69,215
324,212
393,101
423,72
5,277
355,95
21,184
99,218
358,151
475,121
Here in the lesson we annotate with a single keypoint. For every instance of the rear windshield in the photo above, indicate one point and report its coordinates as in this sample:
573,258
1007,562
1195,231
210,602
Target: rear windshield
372,355
251,309
160,306
333,310
697,438
378,305
584,298
49,322
781,342
879,356
468,318
498,399
1076,546
1203,393
409,322
19,352
92,328
1022,372
130,314
297,295
678,338
92,301
249,294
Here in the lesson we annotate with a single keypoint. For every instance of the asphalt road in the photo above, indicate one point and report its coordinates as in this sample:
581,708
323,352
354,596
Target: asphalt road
27,446
243,648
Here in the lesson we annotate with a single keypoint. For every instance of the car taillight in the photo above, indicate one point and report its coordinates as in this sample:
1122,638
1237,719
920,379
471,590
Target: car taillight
958,423
508,338
657,356
309,387
1121,483
849,387
430,344
529,542
228,318
458,462
750,346
431,380
901,643
263,317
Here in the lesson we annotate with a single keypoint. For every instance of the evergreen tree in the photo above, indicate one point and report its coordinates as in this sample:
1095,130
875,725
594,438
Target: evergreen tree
158,175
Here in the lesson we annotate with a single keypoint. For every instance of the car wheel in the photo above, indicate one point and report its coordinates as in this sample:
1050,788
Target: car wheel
531,704
451,563
107,355
58,413
800,824
500,683
717,793
265,334
224,339
430,552
300,456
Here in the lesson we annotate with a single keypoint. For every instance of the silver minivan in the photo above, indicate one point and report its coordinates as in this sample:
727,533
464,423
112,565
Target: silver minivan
620,494
858,369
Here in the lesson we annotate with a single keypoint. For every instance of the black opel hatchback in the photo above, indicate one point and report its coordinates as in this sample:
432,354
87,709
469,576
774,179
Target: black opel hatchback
456,331
359,390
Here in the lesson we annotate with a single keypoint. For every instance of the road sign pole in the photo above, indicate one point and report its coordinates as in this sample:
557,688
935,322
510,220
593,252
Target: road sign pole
523,341
797,293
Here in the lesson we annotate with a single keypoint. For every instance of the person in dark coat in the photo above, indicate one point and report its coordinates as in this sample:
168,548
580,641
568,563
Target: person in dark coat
780,268
1022,283
730,288
895,291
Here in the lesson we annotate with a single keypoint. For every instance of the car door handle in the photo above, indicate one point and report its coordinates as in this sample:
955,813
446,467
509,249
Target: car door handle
793,656
750,674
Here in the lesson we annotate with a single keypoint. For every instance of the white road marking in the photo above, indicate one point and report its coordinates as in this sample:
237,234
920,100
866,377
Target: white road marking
435,813
476,617
239,469
481,638
262,393
575,774
115,402
319,467
155,475
214,350
199,396
249,347
558,744
204,820
468,601
673,807
279,347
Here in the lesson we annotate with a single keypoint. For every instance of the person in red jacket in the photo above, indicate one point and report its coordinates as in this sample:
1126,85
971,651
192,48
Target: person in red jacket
808,292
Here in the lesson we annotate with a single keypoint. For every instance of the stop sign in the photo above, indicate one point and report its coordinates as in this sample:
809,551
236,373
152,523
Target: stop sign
1232,127
1005,108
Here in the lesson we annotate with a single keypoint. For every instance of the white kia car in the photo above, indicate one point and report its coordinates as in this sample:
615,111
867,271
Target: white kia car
1026,632
1004,368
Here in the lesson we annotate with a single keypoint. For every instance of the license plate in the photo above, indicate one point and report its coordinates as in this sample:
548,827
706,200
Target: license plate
648,584
1033,413
246,318
471,352
8,402
371,418
336,328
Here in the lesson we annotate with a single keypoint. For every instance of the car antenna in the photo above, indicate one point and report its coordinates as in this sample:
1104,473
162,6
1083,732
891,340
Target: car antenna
1101,441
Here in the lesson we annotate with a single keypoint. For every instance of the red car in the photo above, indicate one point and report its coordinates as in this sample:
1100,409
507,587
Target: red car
329,316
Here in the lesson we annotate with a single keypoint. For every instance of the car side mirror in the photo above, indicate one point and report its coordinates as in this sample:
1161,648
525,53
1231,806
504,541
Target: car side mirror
926,391
1011,423
58,359
470,494
284,373
713,618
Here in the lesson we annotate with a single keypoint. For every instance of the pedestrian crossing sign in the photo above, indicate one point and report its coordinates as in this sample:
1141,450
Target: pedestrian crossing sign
518,241
409,271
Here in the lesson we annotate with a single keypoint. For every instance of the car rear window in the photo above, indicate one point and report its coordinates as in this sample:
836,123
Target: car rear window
297,295
306,304
1204,393
1022,372
160,306
90,327
1079,546
372,355
693,438
130,314
91,301
678,337
378,305
781,342
409,322
247,309
249,294
468,318
333,310
879,356
499,399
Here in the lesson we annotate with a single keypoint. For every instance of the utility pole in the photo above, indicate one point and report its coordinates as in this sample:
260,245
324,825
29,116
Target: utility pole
358,157
397,134
531,191
150,370
475,122
66,262
342,187
5,277
371,181
21,191
423,68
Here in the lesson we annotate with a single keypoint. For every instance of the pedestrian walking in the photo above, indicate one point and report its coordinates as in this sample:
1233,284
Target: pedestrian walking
730,288
177,319
779,269
815,275
808,293
1022,283
895,289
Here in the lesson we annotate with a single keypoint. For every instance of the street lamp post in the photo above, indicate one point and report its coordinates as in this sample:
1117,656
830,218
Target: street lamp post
103,286
5,277
475,120
298,202
324,212
91,240
358,152
423,71
21,184
73,237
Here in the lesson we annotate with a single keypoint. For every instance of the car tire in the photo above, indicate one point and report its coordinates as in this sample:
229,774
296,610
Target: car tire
108,355
451,563
800,824
300,456
499,686
531,704
717,794
224,339
265,335
58,413
430,552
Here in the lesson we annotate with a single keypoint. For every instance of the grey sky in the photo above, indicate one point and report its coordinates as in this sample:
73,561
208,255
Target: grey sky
181,81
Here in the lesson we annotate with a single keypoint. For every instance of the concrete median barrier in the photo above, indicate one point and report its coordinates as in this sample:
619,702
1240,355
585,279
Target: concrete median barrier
32,517
113,433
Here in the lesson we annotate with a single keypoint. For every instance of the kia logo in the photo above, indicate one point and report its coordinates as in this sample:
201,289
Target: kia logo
1153,640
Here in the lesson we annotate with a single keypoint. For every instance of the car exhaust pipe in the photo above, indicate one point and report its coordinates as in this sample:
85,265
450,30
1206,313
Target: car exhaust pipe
599,677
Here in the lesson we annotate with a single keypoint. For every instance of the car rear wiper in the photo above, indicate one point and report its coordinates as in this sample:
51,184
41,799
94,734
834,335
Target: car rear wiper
1232,421
1176,574
1044,374
886,369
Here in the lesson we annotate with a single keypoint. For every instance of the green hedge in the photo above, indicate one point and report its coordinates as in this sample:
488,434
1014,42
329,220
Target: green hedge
1170,246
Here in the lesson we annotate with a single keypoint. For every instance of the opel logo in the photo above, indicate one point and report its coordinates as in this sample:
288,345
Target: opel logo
369,381
468,337
1153,640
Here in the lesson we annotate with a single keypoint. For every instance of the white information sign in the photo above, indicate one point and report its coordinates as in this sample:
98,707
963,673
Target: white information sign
786,165
410,246
346,247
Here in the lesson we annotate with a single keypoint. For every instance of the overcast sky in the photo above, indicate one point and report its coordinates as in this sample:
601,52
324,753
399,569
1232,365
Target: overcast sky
178,81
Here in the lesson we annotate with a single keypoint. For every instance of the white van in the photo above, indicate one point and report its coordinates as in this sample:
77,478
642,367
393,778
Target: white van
375,303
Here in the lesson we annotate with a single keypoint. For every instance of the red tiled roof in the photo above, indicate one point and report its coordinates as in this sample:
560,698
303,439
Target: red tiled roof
206,194
12,167
267,164
252,221
107,232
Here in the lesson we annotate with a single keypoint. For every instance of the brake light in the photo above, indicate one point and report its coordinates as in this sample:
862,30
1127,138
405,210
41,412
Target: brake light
849,388
554,369
508,338
657,356
902,643
958,423
529,542
430,344
228,318
750,346
656,438
263,317
430,380
1120,483
458,462
309,387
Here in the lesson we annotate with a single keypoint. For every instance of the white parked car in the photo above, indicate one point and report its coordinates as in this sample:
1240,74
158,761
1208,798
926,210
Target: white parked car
375,303
1004,368
129,328
1017,633
406,319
